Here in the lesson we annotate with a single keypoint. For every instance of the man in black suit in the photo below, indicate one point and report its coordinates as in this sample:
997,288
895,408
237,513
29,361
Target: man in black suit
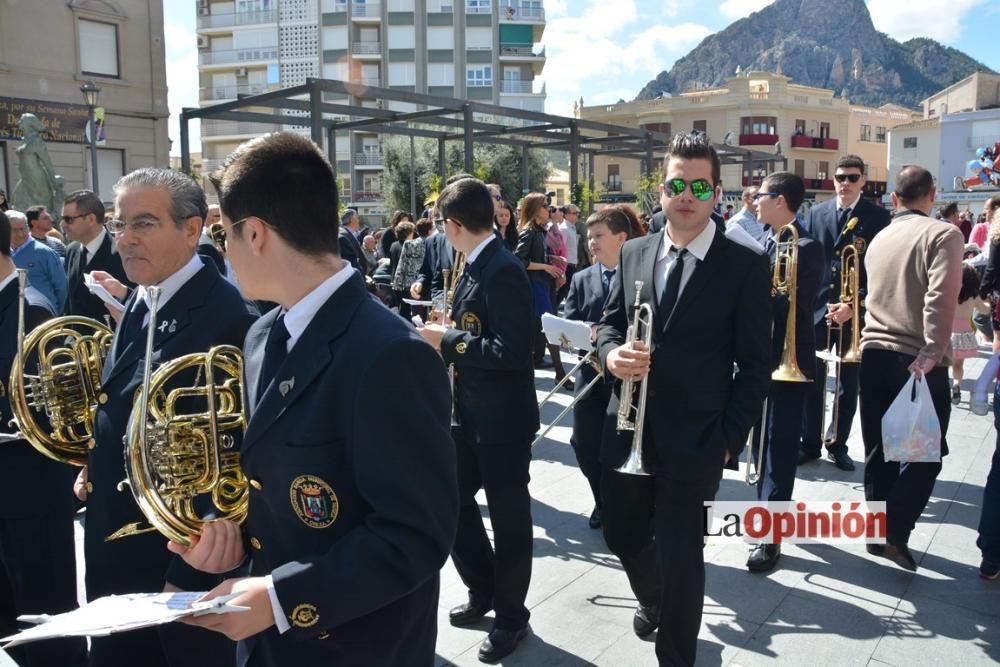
198,309
350,246
837,223
37,552
779,197
351,514
698,413
490,346
439,255
92,249
607,231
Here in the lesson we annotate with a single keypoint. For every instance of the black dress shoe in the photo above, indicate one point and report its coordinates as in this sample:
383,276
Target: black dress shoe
499,644
645,620
764,557
569,385
841,460
806,457
595,519
901,556
469,613
875,549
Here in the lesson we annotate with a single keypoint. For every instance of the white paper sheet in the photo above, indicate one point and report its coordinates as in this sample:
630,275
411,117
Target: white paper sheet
102,293
571,334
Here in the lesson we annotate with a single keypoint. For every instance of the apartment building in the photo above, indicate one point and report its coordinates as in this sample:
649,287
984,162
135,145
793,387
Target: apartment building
764,111
483,50
48,50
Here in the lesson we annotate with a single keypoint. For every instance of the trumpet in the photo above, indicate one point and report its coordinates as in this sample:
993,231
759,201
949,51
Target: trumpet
632,409
450,283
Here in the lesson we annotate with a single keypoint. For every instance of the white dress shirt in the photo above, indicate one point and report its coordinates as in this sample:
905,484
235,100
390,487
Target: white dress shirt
169,286
471,257
698,248
95,244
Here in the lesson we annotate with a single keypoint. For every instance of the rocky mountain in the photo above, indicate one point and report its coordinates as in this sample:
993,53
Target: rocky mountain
824,44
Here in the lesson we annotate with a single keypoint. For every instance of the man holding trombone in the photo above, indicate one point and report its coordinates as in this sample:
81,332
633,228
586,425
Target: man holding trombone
706,306
797,262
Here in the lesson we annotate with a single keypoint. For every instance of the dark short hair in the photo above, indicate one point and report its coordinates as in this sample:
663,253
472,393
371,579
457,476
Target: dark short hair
284,179
851,162
33,213
457,177
789,186
424,227
4,235
913,183
87,203
993,203
949,209
468,201
618,219
404,229
694,146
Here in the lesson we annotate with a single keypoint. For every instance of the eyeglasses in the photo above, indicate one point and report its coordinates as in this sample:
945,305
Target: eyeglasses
218,232
758,195
843,178
498,197
68,219
700,188
138,227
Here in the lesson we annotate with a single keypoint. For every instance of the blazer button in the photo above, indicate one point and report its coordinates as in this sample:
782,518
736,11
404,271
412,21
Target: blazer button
90,487
256,484
255,543
91,444
103,398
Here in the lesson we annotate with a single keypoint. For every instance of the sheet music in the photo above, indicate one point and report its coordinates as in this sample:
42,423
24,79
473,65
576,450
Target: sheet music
568,333
99,290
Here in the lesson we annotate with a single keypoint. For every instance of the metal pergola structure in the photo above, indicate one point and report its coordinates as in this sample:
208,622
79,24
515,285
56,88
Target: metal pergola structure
448,119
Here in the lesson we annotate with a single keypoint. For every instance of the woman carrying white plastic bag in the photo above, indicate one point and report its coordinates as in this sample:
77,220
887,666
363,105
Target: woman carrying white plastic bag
911,430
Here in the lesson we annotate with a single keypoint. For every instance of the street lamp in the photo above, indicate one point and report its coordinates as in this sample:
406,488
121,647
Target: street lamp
90,92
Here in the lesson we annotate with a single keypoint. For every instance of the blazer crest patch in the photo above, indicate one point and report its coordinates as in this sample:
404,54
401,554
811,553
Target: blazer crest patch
314,501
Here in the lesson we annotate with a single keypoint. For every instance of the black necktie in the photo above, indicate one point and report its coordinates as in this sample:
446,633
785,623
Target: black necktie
86,254
842,214
608,277
673,287
275,351
769,246
131,326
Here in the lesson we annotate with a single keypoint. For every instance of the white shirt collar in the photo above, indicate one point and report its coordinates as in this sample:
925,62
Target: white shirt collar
171,285
95,244
850,208
298,317
31,239
698,246
471,257
6,281
605,268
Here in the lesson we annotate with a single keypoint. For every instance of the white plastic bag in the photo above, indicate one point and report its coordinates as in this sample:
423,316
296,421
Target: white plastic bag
911,432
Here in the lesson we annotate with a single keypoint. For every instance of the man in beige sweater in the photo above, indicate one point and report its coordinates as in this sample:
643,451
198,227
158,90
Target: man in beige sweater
914,275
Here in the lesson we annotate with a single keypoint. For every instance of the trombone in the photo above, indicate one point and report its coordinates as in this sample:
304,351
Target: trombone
850,272
450,283
589,358
784,282
632,408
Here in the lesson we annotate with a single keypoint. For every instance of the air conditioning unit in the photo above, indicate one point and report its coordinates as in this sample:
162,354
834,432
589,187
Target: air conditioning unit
241,72
203,10
204,42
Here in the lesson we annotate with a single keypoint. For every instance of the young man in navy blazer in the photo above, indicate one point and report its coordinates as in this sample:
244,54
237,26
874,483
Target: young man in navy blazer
351,514
497,415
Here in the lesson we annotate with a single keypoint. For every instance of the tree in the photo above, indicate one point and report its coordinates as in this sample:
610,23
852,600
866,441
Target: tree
647,191
492,163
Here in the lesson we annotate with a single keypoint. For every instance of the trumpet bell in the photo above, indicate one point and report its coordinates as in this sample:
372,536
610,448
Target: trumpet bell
189,470
789,373
55,407
633,464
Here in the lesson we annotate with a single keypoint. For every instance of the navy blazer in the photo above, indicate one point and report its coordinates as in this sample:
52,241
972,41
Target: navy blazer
809,272
81,301
352,513
438,253
491,347
585,302
350,250
697,407
822,225
32,484
207,310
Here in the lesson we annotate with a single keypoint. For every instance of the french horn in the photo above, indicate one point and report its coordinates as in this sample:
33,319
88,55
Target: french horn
182,454
54,407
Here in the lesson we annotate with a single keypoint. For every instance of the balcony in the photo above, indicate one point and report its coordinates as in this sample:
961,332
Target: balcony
217,21
365,196
238,56
819,184
612,186
511,10
476,9
371,11
758,139
230,128
520,51
815,143
368,159
364,49
232,92
517,87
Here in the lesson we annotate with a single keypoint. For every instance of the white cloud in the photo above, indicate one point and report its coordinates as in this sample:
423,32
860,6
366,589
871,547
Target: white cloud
737,9
921,18
182,81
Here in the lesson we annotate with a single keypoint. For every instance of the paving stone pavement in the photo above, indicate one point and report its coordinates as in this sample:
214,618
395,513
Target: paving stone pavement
822,605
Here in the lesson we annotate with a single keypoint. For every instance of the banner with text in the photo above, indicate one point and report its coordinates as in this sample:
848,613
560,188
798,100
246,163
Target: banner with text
64,123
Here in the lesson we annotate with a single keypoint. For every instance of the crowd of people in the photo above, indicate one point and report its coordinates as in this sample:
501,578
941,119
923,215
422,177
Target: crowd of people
353,511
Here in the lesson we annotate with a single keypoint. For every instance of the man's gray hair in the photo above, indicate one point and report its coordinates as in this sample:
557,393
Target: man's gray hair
348,215
187,199
13,215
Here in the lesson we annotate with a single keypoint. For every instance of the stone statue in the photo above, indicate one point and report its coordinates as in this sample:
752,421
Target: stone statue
39,183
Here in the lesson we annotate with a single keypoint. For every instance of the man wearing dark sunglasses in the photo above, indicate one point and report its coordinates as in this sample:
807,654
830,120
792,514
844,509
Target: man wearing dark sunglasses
711,310
847,219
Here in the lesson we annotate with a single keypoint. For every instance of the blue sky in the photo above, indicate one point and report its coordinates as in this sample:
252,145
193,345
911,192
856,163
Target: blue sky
603,51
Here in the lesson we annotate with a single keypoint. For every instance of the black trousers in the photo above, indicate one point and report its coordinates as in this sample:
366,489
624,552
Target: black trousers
38,576
500,575
812,437
785,407
905,488
588,423
668,570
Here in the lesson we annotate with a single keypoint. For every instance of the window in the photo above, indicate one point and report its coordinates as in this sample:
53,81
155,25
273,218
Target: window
479,77
400,5
98,48
700,126
866,133
824,130
800,168
880,135
657,127
440,37
614,178
110,168
477,6
440,74
824,169
759,125
479,38
402,74
401,37
800,127
909,142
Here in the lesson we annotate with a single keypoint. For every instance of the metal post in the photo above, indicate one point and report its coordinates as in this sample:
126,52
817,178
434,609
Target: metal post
525,171
650,164
574,157
413,178
185,143
467,138
442,163
331,153
593,183
316,111
93,151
